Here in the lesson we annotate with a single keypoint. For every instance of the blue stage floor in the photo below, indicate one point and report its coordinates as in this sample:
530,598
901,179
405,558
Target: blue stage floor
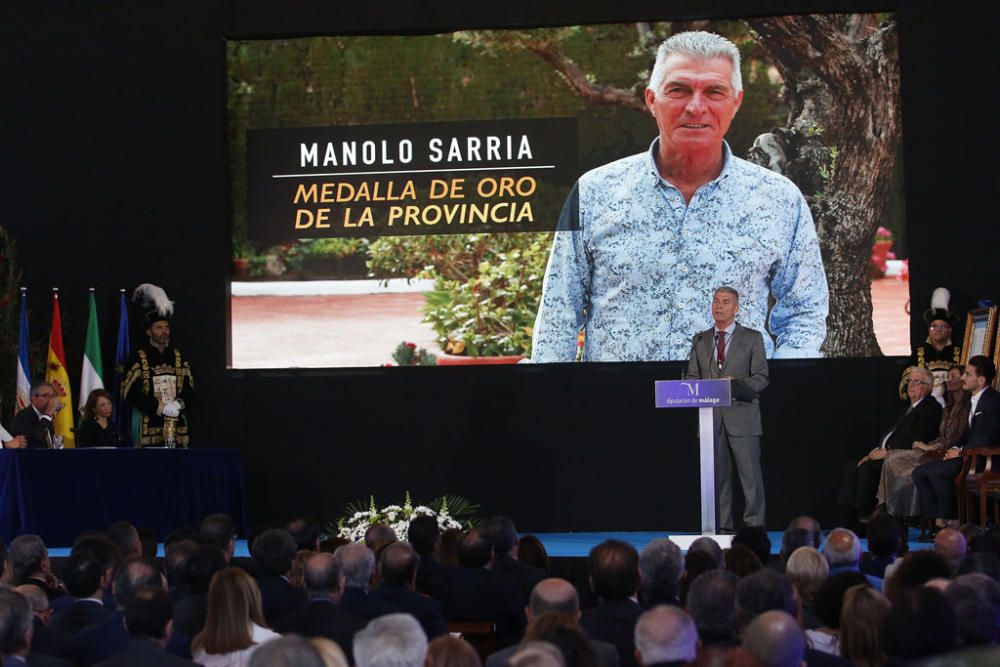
577,545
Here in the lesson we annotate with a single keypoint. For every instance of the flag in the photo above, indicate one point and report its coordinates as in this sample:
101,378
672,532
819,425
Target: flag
123,410
23,369
56,375
92,375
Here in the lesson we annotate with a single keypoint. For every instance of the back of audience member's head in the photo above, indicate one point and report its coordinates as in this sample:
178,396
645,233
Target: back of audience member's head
921,624
126,538
175,562
82,574
756,540
37,598
475,549
971,531
379,535
448,651
696,563
863,618
306,532
563,631
762,591
331,654
952,546
775,639
182,533
990,542
393,640
133,574
148,612
273,551
537,654
332,543
399,564
295,575
502,534
554,596
741,561
448,546
322,575
665,634
531,551
217,529
28,556
711,601
884,537
357,562
661,566
147,543
830,596
233,604
710,547
202,566
423,534
794,538
808,569
613,566
842,548
810,524
976,601
16,621
287,651
981,562
916,569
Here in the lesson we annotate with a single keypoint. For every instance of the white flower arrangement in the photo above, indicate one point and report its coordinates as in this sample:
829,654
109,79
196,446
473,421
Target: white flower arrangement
354,526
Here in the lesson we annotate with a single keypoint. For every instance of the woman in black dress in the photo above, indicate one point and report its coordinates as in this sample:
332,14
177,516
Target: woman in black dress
96,429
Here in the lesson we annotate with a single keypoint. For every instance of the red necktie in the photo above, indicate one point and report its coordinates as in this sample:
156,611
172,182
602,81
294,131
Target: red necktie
720,348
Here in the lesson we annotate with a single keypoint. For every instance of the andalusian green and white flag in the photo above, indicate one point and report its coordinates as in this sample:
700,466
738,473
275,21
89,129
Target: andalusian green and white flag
93,365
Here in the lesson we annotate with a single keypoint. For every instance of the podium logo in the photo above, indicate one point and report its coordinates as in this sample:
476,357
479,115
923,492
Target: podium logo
692,389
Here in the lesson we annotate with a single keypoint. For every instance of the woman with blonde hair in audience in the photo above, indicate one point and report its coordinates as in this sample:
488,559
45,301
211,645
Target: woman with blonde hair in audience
862,626
234,621
330,652
808,569
296,576
448,651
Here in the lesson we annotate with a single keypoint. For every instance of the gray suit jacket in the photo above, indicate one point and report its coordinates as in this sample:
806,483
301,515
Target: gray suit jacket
746,364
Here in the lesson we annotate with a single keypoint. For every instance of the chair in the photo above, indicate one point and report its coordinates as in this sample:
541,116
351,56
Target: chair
481,634
978,478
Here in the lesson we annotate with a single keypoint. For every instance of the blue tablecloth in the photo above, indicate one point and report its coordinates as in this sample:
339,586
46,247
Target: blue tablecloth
60,494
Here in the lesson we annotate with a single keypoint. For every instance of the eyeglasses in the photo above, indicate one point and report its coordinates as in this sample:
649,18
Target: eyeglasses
917,382
939,326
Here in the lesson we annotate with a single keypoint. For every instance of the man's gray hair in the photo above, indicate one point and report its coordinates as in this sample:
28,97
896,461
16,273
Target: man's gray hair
288,651
666,634
726,289
710,547
537,654
15,620
26,554
358,563
697,44
835,554
928,380
393,640
661,564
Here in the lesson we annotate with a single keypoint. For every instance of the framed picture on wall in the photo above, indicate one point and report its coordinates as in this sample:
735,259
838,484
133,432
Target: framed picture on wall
980,330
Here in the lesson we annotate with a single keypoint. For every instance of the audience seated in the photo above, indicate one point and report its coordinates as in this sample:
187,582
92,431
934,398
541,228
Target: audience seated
711,602
952,546
126,538
175,566
756,540
273,551
448,651
43,640
665,635
393,640
921,624
16,632
791,539
531,551
661,566
306,532
741,561
399,574
424,536
379,535
234,622
358,563
614,577
775,639
189,615
148,619
290,651
218,530
916,569
808,569
29,562
562,632
975,599
829,602
843,552
884,543
85,578
696,563
519,577
863,618
321,615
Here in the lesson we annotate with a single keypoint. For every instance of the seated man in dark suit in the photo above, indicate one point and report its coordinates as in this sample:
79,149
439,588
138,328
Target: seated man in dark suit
35,421
306,533
614,578
399,574
16,633
218,529
273,552
503,535
711,601
85,579
124,536
189,613
358,563
148,619
665,635
424,535
919,422
661,566
175,566
321,615
44,640
29,562
935,480
556,596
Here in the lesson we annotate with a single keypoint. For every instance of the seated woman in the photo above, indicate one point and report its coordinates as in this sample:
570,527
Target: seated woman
896,488
96,429
234,621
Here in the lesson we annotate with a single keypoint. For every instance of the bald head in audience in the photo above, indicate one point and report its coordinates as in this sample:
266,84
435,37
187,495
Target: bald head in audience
952,545
399,565
553,596
775,639
323,576
842,548
810,524
665,634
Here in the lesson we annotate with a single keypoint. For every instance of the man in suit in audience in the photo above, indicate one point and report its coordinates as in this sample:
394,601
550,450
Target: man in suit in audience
306,533
175,566
919,422
29,562
614,578
665,636
661,566
358,564
189,614
935,480
556,596
424,535
148,619
35,421
43,640
503,534
321,615
842,551
124,536
711,601
218,529
85,580
399,574
775,639
16,633
273,552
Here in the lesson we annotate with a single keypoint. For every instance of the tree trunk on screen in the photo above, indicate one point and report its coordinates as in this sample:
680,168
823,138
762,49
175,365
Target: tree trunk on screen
841,77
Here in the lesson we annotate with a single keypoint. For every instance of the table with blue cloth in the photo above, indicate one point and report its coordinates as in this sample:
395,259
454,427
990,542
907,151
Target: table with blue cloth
59,494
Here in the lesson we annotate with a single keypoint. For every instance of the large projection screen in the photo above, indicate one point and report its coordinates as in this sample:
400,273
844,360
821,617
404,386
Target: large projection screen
399,195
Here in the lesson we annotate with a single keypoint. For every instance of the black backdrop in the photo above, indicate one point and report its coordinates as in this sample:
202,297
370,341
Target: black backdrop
113,172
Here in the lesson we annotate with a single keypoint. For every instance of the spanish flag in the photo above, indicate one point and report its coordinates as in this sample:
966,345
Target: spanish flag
58,377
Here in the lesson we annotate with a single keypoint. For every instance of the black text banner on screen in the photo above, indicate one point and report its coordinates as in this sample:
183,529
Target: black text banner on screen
409,179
